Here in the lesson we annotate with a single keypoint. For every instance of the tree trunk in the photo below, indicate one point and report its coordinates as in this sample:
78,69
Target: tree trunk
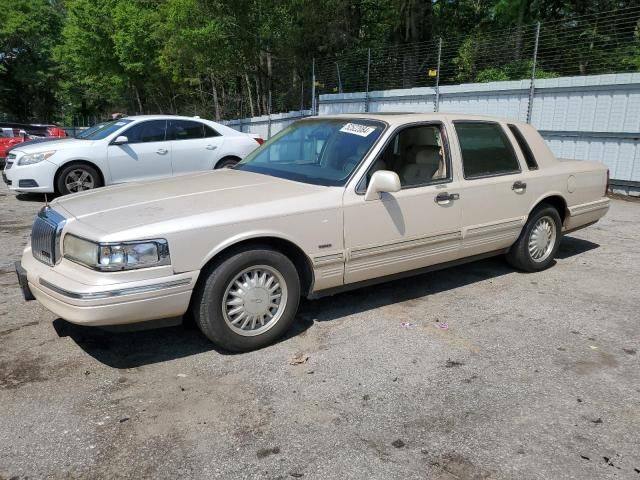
140,109
216,105
269,75
258,91
223,106
246,76
524,4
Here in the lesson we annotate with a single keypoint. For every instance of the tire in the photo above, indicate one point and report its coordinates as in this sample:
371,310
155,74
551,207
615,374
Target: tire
226,162
80,172
538,242
241,320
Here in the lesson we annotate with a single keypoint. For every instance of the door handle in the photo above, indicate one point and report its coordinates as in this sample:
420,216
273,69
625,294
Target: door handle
446,197
162,151
519,186
211,147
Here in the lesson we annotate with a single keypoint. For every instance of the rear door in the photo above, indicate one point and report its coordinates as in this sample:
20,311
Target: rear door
146,155
195,146
493,194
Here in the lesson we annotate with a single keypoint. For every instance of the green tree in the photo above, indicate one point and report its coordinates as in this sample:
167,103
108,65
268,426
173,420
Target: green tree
28,76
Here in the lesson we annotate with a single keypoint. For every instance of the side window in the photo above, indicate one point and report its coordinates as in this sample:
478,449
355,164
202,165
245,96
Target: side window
210,132
524,147
149,131
417,155
485,149
186,130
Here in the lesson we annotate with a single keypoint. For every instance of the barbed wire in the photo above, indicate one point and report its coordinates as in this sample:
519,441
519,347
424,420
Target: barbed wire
607,42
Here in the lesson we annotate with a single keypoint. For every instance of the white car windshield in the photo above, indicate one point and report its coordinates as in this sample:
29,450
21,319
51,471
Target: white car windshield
318,151
103,130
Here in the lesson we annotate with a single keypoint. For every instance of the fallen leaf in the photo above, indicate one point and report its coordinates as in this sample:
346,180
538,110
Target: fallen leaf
298,359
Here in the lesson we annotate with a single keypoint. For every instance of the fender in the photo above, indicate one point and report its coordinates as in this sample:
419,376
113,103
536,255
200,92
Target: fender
253,235
106,176
545,195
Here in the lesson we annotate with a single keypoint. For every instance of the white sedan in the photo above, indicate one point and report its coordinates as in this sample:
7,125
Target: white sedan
144,147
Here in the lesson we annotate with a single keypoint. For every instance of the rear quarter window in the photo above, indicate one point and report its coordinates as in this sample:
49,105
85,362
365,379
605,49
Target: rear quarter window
524,147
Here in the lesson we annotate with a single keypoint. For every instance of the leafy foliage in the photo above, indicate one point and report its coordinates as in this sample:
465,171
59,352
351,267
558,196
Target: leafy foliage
65,59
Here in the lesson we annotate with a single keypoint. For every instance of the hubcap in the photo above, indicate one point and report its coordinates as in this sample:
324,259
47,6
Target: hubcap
542,239
254,300
79,180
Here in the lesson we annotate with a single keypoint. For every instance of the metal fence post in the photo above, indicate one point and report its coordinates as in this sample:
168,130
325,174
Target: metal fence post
533,74
269,117
313,87
437,106
366,94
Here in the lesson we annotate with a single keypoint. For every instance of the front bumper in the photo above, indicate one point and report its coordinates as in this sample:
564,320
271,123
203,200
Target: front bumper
42,173
23,282
103,301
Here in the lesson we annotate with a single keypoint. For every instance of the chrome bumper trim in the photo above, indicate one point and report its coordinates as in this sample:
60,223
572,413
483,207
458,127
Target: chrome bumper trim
600,204
115,293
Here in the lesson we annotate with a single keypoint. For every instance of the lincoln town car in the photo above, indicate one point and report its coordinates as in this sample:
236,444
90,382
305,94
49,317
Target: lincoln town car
329,203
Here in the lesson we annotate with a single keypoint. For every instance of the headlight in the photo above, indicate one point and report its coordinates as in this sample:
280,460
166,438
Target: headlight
35,157
111,257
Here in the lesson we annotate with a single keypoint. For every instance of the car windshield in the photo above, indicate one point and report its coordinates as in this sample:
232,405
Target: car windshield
322,151
102,130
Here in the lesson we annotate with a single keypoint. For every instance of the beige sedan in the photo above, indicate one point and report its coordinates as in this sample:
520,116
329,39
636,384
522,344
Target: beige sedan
329,203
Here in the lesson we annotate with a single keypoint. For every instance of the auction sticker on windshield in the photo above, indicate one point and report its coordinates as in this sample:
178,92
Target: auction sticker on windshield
354,128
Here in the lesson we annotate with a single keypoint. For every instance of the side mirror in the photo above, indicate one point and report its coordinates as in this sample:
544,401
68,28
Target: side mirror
382,181
120,140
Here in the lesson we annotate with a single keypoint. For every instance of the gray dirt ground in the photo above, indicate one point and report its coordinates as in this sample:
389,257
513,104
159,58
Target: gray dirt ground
537,377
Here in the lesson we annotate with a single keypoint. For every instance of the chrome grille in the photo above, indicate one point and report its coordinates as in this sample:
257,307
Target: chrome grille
45,236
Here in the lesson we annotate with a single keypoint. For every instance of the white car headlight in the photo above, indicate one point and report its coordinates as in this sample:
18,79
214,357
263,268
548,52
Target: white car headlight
111,257
35,157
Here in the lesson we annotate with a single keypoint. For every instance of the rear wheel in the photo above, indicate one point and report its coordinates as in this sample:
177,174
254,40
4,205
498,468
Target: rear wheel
227,162
249,300
77,177
539,240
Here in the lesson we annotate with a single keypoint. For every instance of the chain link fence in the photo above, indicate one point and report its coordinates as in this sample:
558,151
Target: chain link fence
593,44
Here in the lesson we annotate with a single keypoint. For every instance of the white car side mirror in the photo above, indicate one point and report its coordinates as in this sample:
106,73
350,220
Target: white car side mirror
382,181
120,140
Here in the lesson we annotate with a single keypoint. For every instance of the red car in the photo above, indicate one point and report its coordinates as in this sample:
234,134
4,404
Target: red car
14,134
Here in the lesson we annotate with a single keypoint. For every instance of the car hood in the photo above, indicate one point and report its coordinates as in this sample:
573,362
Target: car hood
58,144
189,201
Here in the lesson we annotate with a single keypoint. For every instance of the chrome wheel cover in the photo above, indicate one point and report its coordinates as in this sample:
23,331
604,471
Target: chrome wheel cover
254,300
78,180
542,239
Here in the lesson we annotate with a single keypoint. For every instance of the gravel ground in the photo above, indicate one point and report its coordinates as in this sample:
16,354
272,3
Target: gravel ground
536,378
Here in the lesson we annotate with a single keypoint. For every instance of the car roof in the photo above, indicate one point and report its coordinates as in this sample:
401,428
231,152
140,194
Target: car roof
219,127
400,118
161,117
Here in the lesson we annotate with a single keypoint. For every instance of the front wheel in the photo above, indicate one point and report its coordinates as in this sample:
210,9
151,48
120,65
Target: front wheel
249,300
538,242
77,177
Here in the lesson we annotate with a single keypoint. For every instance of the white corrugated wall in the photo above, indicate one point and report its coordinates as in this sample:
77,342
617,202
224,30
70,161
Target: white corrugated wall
588,117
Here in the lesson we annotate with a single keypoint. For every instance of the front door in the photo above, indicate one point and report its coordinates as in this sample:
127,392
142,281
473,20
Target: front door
194,145
416,227
146,155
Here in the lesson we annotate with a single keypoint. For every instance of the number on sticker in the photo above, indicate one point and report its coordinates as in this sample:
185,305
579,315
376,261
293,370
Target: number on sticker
357,129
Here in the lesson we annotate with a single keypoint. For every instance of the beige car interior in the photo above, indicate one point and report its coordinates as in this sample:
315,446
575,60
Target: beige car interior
416,155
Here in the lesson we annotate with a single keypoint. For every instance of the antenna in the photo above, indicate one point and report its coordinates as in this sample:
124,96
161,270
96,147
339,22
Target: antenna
46,201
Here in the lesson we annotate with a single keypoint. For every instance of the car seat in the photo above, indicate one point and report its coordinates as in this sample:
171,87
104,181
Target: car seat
428,163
